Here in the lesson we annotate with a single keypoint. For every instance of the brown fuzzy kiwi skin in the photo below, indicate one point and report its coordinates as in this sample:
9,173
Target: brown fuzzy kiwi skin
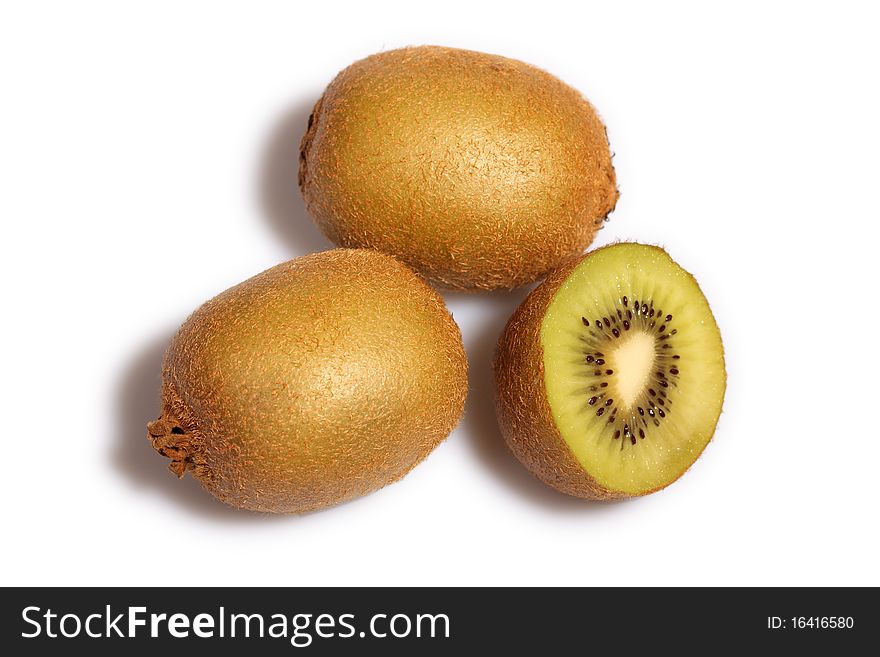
524,415
315,382
479,171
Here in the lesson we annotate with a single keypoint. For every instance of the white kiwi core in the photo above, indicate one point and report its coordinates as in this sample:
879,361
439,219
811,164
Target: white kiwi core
633,360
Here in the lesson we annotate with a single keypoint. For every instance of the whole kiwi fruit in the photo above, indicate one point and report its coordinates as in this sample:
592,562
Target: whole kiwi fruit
610,376
312,383
479,171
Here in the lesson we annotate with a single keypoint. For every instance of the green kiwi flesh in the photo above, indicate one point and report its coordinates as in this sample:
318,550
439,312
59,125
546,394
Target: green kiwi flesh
633,370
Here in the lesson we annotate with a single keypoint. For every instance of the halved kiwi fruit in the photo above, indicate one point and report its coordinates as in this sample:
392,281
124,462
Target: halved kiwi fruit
319,380
478,171
610,376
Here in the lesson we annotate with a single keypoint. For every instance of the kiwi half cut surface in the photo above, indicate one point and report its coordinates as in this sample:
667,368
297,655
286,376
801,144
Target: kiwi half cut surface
610,377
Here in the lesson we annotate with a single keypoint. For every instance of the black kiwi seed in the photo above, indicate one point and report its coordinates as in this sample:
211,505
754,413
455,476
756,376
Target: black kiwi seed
626,315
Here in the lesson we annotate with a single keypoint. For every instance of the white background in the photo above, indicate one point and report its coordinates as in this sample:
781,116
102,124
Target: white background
148,156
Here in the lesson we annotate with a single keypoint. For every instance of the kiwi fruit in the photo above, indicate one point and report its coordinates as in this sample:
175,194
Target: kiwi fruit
478,171
610,376
317,381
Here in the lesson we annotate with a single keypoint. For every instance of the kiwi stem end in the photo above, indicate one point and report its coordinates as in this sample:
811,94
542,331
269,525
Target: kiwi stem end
170,440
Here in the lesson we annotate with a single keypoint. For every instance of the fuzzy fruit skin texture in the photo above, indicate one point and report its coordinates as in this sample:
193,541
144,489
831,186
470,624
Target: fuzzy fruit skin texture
479,171
524,414
315,382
